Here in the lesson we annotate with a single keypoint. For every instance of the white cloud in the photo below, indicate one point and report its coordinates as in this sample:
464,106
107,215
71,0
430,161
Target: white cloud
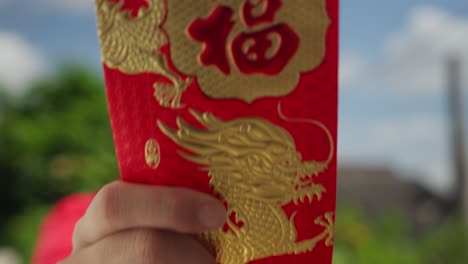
412,63
405,132
86,6
416,144
417,56
352,69
414,59
20,63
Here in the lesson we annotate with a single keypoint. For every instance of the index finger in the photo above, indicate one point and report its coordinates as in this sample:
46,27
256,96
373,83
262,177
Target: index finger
120,206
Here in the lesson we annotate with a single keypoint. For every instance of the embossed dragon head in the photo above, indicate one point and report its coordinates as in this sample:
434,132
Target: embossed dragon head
248,158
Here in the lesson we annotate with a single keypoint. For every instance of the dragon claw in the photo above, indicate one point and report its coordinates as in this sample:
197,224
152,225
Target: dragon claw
316,190
328,223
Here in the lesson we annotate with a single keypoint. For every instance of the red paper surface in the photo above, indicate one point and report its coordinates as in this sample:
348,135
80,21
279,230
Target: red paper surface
135,113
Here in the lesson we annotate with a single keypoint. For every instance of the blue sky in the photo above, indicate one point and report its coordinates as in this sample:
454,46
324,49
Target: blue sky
392,102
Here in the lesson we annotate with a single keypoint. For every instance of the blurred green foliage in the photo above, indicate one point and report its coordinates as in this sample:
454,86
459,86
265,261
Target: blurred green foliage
56,140
388,241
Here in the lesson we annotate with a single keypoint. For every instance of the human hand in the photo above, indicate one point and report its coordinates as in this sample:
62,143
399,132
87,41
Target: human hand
128,223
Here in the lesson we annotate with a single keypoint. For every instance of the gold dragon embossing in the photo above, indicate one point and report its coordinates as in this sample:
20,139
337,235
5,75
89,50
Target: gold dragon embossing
254,166
131,44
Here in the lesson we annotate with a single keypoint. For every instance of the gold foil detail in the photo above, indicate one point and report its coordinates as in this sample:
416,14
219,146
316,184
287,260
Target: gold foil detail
254,166
152,153
308,18
131,45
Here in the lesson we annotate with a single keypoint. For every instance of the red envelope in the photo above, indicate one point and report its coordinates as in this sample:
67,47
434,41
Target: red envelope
236,98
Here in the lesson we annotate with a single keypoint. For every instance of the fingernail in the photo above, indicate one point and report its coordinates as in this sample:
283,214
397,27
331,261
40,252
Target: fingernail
212,216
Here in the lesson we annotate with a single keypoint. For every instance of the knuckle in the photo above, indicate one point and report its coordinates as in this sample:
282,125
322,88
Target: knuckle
108,202
173,206
147,245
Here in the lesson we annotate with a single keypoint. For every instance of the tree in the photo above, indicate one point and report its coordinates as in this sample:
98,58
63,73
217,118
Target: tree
54,141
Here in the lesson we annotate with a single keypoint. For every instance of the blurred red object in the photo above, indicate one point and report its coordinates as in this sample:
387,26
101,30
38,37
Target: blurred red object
55,237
